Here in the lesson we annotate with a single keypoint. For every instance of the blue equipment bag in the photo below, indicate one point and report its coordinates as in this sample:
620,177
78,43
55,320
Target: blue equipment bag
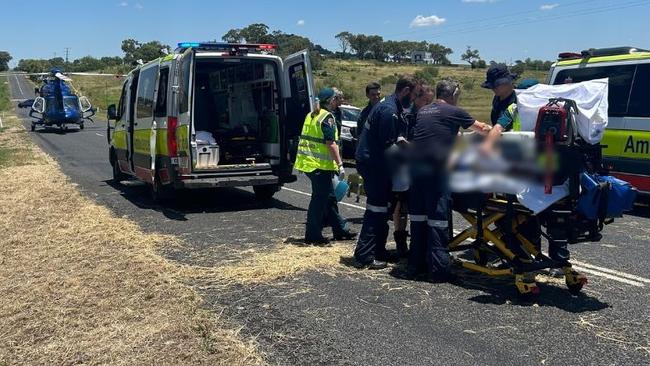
605,197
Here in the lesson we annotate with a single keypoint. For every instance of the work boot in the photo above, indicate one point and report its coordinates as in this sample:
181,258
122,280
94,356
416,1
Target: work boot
347,235
401,243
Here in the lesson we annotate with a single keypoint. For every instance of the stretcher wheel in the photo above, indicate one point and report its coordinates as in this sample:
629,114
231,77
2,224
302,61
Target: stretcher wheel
574,281
527,288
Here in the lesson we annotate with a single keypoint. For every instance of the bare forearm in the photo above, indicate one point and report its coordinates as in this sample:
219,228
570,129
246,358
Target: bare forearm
334,152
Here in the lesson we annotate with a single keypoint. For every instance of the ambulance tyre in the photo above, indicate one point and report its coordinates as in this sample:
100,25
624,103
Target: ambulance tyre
162,193
265,192
118,176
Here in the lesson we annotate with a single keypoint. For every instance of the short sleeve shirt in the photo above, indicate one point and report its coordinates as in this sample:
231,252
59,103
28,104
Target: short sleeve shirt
435,130
499,115
329,129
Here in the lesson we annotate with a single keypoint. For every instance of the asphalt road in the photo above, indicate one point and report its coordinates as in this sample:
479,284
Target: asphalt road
359,318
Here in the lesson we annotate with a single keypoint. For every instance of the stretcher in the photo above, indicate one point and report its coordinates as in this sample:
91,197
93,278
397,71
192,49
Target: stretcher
499,246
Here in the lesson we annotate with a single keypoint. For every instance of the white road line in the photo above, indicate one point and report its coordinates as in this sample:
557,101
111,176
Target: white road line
608,276
19,88
611,271
99,134
611,274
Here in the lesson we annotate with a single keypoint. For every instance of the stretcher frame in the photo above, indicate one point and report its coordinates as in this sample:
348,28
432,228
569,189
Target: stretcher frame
519,257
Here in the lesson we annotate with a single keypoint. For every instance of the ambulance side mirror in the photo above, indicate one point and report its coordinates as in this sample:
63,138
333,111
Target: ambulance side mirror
111,113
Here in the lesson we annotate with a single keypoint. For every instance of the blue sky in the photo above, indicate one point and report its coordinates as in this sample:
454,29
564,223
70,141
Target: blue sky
502,30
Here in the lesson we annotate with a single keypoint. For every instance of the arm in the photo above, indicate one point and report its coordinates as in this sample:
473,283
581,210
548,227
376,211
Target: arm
493,136
333,149
481,127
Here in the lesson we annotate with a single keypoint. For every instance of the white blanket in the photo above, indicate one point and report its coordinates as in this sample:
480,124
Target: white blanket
590,96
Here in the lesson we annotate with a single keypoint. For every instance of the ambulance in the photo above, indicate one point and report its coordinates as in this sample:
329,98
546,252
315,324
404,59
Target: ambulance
627,137
211,115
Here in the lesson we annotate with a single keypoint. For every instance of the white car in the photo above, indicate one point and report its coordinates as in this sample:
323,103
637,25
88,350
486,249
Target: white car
350,115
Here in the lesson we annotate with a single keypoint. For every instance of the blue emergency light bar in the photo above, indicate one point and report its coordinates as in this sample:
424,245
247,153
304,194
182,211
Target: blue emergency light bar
220,46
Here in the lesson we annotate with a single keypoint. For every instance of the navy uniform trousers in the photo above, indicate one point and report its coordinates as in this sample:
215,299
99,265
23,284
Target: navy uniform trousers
429,200
371,244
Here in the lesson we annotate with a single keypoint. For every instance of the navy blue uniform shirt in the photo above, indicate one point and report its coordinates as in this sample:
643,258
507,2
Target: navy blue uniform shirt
435,131
381,131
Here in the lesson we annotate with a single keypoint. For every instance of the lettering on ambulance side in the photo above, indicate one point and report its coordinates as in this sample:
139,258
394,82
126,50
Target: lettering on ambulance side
637,146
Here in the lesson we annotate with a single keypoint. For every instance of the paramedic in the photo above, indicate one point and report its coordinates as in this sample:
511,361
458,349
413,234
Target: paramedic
501,82
379,135
318,156
401,179
433,138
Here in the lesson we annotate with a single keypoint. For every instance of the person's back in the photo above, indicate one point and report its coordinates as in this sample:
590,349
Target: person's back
435,131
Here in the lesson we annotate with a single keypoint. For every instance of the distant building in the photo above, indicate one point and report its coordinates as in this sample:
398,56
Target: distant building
422,57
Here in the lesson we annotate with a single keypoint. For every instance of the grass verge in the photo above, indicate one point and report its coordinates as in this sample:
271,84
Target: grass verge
5,103
82,286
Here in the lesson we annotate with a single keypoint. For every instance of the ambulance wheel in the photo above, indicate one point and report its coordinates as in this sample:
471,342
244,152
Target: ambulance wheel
162,193
118,176
265,192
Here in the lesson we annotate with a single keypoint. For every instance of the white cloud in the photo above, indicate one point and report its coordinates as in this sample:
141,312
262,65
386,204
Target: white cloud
138,6
301,22
548,6
422,21
123,4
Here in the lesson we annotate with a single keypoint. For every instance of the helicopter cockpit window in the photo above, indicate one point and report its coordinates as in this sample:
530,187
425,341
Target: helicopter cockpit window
71,103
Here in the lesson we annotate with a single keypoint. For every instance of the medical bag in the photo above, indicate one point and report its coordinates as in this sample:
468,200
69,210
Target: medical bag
605,197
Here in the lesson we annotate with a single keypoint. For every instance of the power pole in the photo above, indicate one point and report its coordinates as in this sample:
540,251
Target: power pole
67,53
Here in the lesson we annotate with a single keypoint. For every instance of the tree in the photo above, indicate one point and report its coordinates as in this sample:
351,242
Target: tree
360,43
256,33
376,46
233,36
134,50
470,56
440,53
344,41
5,57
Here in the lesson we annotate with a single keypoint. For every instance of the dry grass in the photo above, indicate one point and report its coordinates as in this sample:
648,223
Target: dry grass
81,286
285,261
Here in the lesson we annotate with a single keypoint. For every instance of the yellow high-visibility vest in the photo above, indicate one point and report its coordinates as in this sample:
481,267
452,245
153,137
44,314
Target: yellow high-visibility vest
312,150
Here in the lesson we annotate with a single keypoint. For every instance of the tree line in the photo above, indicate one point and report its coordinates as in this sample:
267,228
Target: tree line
364,46
359,46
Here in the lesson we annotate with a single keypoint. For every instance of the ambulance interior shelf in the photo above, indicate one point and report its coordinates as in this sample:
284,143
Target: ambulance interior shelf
237,103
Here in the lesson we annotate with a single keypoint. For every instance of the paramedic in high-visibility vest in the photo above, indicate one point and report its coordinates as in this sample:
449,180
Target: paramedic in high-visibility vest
319,158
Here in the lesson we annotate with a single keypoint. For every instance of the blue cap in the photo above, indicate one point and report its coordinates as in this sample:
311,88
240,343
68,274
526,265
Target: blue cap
527,83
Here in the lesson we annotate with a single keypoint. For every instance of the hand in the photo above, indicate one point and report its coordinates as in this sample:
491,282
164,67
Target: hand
483,128
341,171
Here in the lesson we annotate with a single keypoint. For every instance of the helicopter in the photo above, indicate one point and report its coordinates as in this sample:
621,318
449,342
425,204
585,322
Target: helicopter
58,103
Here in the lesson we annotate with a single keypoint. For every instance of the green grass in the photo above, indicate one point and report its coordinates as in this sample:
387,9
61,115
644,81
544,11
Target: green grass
5,102
102,91
352,76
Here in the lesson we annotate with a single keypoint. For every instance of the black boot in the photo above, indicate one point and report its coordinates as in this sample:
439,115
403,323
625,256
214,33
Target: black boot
401,243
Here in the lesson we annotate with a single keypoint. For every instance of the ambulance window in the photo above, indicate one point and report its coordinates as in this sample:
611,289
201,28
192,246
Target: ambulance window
640,98
146,92
161,101
186,65
620,82
121,108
